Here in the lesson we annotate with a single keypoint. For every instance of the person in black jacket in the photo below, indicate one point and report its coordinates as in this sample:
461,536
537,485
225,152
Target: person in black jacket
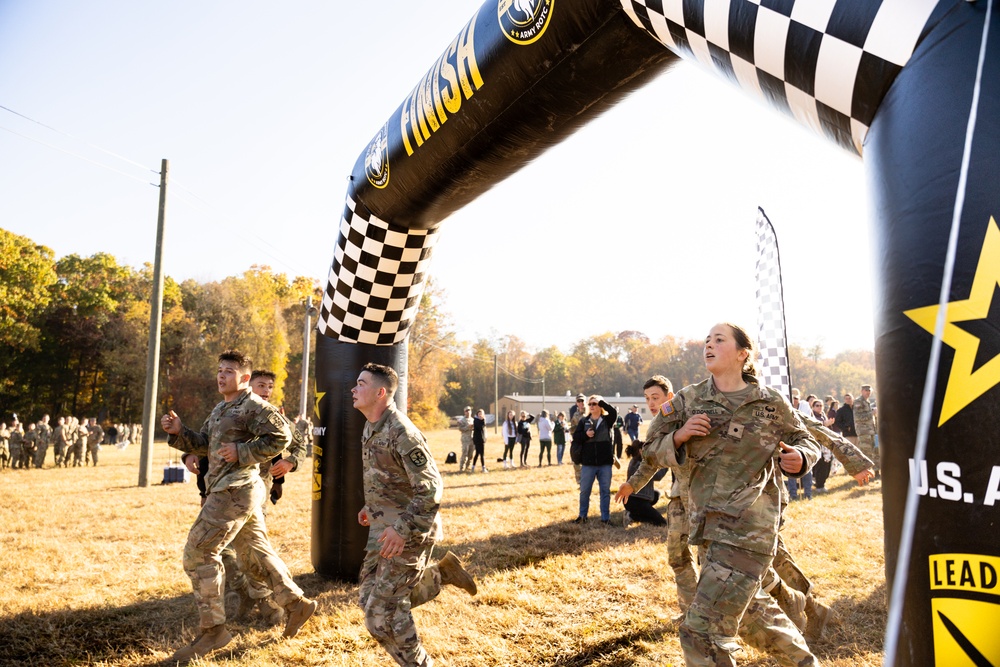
524,435
594,435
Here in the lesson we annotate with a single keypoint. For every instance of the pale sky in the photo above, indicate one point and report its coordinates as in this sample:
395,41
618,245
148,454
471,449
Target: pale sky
642,220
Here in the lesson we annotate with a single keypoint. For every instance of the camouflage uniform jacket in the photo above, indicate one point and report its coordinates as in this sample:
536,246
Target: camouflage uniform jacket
401,481
257,428
296,450
465,426
29,441
293,454
61,436
864,417
647,468
4,439
16,436
853,459
95,436
735,481
44,434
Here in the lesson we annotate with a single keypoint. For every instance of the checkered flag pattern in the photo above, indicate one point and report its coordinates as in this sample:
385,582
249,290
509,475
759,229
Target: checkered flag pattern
826,63
377,277
772,342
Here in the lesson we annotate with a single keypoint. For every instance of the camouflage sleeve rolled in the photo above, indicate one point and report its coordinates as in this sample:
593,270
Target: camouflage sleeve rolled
418,518
801,439
853,459
642,475
660,450
188,440
271,436
297,449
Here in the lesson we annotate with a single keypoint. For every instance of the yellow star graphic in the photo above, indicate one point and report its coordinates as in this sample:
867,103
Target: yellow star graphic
964,384
319,397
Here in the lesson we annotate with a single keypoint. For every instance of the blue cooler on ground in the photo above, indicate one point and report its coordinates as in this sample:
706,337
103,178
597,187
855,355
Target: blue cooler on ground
175,473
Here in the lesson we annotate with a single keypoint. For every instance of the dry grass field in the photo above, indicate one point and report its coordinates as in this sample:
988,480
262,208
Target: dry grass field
91,566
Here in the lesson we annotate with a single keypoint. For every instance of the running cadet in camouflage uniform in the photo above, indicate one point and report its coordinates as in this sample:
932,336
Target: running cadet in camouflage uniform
734,435
273,474
864,424
785,581
402,496
659,390
465,426
241,432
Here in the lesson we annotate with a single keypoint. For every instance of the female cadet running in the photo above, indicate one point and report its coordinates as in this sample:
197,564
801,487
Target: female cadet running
732,435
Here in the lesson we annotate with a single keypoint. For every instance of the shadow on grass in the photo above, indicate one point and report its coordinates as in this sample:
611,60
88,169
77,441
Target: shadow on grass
617,651
526,548
154,627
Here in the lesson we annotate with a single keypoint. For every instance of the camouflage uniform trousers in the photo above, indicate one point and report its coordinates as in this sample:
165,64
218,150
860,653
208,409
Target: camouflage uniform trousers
4,456
27,454
92,451
77,452
679,553
247,571
15,454
729,597
43,449
232,515
785,568
866,443
388,589
468,453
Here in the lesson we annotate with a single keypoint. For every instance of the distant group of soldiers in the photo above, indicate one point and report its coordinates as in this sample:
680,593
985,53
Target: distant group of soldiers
75,441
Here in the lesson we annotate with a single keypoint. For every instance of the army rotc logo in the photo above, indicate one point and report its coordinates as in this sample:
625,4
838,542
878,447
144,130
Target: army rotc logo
377,159
524,21
965,609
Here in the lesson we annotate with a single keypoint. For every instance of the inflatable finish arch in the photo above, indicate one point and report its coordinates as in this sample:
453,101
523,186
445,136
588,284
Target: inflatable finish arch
892,80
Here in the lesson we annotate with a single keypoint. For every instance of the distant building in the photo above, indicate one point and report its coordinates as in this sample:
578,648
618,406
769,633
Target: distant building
534,404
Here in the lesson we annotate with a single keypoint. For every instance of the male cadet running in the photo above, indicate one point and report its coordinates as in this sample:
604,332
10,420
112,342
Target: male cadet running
402,496
242,431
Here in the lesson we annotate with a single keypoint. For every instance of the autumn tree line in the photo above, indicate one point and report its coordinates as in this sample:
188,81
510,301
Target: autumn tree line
74,338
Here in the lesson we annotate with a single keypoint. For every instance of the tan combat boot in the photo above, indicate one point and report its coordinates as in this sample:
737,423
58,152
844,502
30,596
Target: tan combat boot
298,613
269,609
818,616
452,573
209,640
246,603
792,602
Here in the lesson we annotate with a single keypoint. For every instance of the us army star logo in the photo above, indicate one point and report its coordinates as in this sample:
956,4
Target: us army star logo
976,366
319,397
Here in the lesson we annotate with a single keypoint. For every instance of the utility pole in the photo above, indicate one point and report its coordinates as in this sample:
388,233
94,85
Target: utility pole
307,328
496,396
543,392
153,355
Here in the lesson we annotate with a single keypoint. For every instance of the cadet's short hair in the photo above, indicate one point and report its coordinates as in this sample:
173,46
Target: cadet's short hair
270,375
658,381
385,376
244,362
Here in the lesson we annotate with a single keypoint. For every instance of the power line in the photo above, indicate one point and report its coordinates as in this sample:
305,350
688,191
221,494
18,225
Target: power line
257,242
66,134
78,156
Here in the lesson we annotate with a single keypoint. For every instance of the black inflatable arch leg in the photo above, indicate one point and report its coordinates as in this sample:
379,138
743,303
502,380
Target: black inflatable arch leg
914,157
338,541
